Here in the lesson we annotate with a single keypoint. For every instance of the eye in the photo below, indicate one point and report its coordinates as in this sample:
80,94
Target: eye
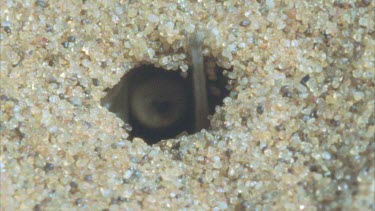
156,103
159,101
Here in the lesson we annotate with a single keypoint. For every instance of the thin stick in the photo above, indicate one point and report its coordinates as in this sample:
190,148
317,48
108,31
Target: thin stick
199,82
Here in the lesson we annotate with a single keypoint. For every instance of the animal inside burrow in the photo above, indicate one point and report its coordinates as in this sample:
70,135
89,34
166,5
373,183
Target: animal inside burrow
157,104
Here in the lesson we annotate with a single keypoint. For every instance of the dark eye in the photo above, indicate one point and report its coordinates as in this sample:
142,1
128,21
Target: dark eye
156,103
160,101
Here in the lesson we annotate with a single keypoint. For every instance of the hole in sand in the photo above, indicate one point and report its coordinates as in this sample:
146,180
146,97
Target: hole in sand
156,104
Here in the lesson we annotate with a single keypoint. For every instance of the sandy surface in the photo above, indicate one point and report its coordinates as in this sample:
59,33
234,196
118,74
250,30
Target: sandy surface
296,132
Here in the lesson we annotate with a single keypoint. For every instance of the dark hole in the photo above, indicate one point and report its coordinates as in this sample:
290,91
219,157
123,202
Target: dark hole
159,104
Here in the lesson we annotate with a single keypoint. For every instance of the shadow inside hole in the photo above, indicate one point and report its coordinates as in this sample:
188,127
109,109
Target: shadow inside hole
158,104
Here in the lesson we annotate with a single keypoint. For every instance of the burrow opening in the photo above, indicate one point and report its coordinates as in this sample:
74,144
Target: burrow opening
157,104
